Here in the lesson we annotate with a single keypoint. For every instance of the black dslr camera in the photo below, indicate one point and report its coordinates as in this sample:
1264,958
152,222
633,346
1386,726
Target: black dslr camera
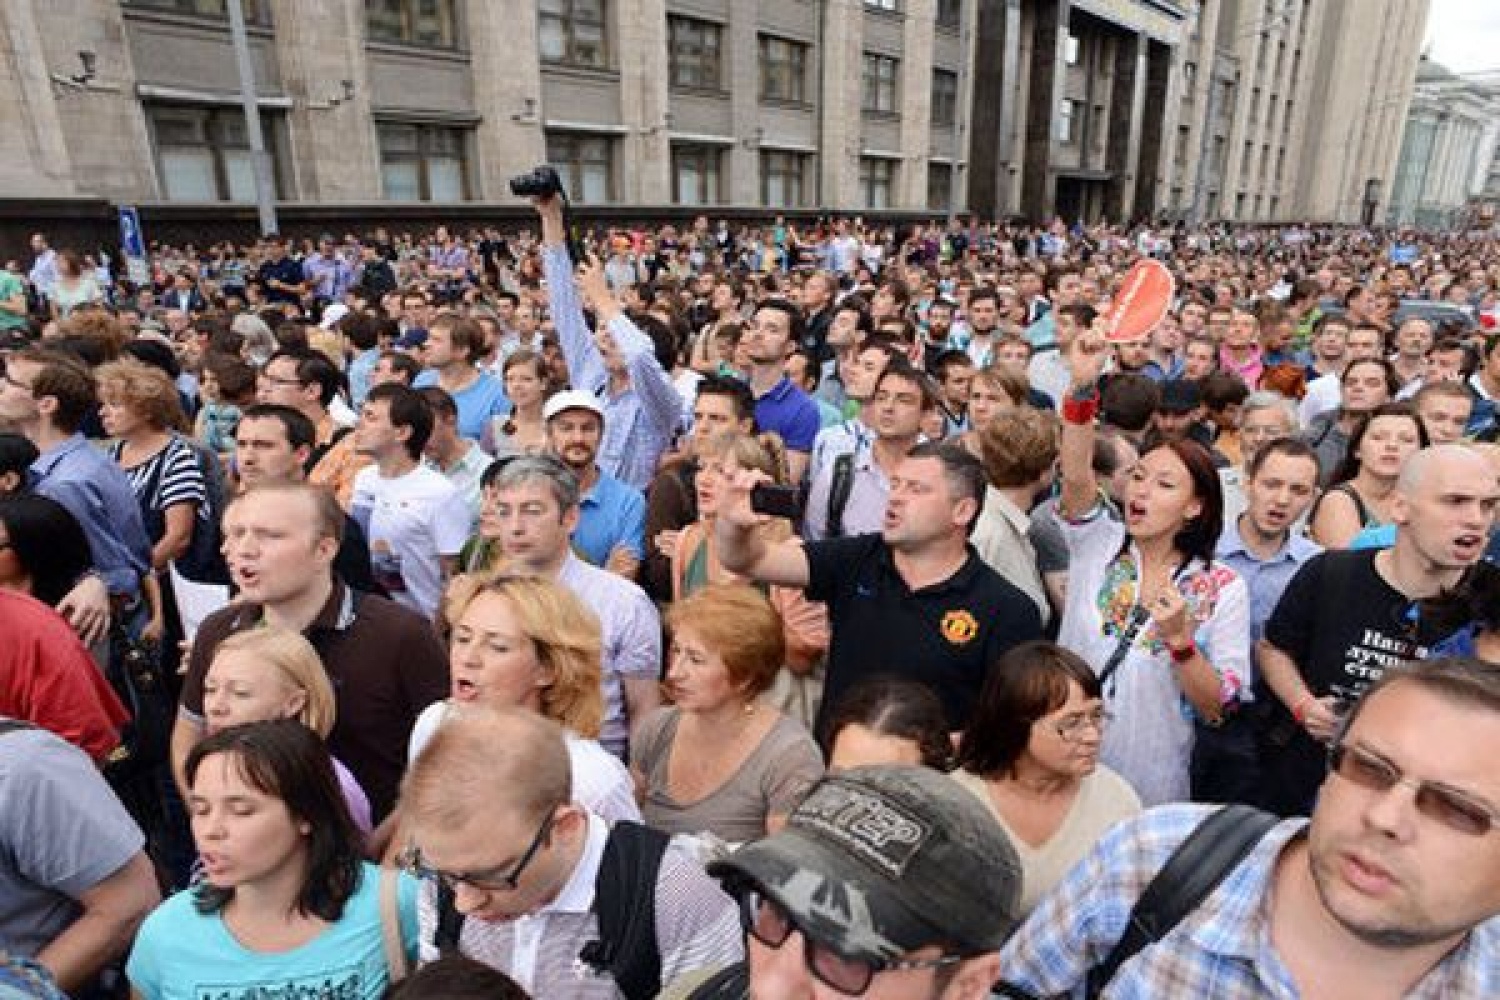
542,182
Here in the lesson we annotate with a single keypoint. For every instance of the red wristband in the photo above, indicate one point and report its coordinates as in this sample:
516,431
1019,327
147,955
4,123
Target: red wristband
1080,411
1182,654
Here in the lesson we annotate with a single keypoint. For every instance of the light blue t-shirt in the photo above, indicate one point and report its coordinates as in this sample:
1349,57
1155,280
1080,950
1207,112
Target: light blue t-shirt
484,398
612,513
182,954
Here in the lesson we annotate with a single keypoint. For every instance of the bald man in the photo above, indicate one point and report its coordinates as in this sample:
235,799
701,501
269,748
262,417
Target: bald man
1348,616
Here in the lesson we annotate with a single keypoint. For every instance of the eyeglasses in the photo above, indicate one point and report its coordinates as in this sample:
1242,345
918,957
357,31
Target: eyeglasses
1450,807
290,383
1072,727
493,880
765,920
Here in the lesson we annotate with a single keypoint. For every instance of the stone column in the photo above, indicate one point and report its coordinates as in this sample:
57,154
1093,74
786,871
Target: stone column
841,126
1038,180
641,37
507,75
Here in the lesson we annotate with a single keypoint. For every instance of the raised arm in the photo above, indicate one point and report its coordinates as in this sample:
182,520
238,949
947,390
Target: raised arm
663,405
585,366
743,549
1080,491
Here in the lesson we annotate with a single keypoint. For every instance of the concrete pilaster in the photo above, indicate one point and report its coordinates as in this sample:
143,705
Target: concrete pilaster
1038,179
507,75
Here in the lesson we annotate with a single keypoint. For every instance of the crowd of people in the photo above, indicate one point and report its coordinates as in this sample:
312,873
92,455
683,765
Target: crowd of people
783,611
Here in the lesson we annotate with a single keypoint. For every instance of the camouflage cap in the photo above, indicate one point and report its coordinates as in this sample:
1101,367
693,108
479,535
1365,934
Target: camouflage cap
878,862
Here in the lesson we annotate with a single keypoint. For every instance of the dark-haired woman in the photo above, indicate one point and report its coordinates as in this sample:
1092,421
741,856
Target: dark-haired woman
43,550
1031,754
287,907
1363,487
887,720
1165,628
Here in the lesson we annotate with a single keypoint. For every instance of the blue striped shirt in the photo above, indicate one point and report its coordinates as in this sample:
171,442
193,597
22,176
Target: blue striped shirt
1223,949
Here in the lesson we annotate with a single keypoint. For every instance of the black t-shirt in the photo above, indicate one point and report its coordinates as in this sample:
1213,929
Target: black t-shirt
1344,626
945,636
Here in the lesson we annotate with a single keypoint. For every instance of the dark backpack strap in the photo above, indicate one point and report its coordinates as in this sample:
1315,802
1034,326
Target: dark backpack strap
1194,870
838,495
450,923
625,906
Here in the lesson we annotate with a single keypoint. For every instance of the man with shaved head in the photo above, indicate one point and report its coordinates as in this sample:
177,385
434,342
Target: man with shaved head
1348,616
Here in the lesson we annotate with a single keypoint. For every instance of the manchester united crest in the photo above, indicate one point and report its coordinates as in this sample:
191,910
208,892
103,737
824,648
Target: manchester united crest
959,627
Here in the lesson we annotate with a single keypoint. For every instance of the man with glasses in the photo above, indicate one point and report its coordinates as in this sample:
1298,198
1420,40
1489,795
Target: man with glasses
1389,891
889,881
514,868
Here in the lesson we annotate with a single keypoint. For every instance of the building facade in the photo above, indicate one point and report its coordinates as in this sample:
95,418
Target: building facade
843,104
1088,109
1447,149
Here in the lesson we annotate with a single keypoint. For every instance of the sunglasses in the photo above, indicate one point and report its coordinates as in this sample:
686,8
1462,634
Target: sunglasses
505,878
769,923
1454,809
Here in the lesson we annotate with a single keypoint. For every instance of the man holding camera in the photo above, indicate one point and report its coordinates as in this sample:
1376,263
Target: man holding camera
627,369
915,601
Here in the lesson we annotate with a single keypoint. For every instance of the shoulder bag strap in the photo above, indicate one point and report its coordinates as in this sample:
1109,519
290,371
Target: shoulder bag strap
1202,861
390,927
625,906
839,489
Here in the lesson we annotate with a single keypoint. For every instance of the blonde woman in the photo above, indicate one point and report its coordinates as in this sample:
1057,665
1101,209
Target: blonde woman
695,565
530,643
274,673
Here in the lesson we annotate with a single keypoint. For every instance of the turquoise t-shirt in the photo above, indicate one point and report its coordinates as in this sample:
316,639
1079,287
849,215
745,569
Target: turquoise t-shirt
182,954
11,286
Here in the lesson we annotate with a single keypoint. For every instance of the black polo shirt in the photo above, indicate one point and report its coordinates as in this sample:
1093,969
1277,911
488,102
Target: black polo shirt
385,662
945,636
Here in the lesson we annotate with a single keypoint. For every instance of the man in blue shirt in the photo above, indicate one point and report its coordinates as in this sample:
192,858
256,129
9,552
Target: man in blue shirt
46,395
611,530
779,405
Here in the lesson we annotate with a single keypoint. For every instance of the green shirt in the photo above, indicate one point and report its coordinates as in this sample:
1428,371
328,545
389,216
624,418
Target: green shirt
10,286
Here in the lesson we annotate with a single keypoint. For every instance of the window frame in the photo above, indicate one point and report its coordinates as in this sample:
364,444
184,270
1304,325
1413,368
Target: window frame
880,77
710,160
409,15
215,127
792,166
706,29
940,201
257,12
944,105
795,68
568,20
949,14
425,153
868,181
570,168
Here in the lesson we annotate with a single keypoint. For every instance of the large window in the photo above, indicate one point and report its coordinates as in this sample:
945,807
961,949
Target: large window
949,13
879,90
696,175
939,186
695,52
424,162
944,97
586,164
429,23
255,10
204,153
573,32
877,180
783,69
783,179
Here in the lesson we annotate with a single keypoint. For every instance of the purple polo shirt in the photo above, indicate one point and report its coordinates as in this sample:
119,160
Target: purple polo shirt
790,412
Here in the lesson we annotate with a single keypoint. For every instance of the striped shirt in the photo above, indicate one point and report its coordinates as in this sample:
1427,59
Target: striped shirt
1224,949
181,480
697,927
639,423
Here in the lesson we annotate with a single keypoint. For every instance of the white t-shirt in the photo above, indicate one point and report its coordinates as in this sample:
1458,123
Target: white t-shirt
410,522
1324,393
600,781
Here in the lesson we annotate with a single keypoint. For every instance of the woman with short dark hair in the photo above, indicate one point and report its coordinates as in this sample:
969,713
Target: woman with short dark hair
1031,753
286,903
